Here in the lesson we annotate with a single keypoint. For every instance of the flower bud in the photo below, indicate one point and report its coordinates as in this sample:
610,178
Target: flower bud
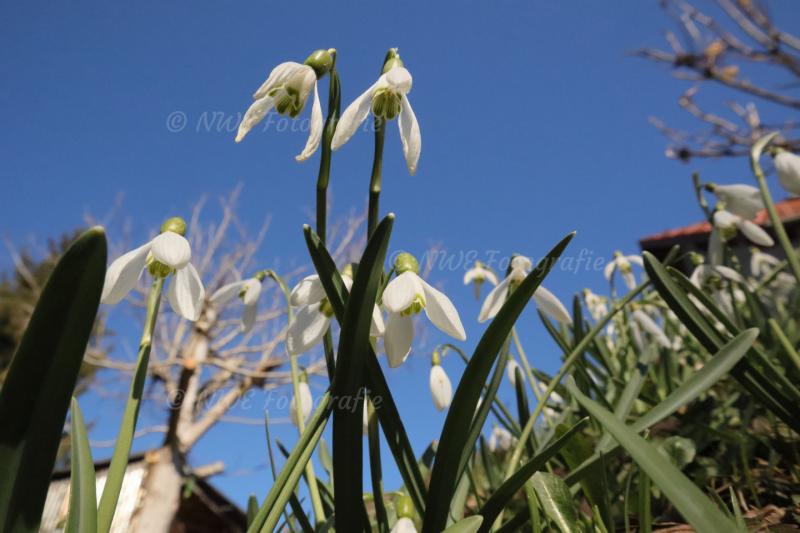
321,61
406,262
175,225
404,506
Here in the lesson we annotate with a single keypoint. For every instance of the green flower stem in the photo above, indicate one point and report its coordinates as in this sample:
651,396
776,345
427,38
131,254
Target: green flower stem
528,371
777,225
311,476
373,214
323,177
122,448
570,359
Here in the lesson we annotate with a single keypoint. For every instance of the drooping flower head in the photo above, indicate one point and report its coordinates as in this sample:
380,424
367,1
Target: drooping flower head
408,295
500,440
740,199
167,254
441,388
387,98
762,263
477,275
287,89
248,290
315,312
404,508
622,264
545,300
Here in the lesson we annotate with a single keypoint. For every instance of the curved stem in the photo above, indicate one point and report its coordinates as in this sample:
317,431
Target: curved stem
323,177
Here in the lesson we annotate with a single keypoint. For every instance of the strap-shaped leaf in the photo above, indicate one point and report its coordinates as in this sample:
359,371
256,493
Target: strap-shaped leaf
354,348
283,488
36,394
690,501
455,433
751,377
82,497
718,366
388,415
556,501
503,494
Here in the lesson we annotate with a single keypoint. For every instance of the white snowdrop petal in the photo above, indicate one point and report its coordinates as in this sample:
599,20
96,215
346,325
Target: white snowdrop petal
186,293
401,291
398,338
441,388
307,329
755,233
740,199
254,114
252,291
521,263
226,293
315,128
123,274
649,325
410,135
404,525
171,249
308,291
441,311
511,372
306,403
608,270
249,314
787,165
278,76
494,300
551,305
377,328
398,79
352,118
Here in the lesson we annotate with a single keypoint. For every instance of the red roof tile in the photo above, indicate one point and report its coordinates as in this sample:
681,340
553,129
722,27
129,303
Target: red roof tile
788,210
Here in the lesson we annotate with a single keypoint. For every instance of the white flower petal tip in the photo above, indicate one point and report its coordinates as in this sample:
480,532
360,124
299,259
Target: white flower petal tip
123,274
226,293
441,388
511,372
404,525
186,293
308,291
552,306
315,131
442,313
500,440
306,403
649,325
494,300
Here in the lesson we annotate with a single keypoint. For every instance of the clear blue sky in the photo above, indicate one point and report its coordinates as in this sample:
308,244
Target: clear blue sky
533,119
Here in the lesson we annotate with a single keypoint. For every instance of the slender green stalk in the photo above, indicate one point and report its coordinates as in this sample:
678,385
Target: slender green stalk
324,175
373,212
311,477
570,359
529,371
122,448
785,342
777,225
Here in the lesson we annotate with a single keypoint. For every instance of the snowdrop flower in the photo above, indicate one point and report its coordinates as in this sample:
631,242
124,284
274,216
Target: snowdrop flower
511,372
168,253
306,401
441,388
248,290
787,165
407,295
287,88
596,305
545,300
500,440
477,275
387,98
405,514
762,263
622,264
314,315
739,199
644,321
727,225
